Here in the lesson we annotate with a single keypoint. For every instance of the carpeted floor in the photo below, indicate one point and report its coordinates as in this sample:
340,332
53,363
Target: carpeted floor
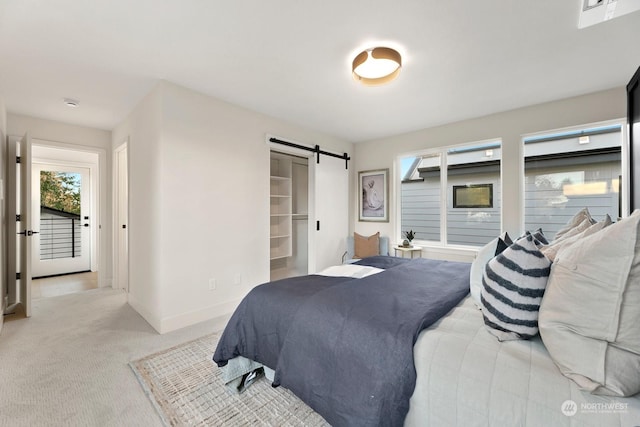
186,388
68,364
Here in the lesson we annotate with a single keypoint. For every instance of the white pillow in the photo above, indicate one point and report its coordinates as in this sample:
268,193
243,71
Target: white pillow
483,256
551,250
576,220
590,313
513,285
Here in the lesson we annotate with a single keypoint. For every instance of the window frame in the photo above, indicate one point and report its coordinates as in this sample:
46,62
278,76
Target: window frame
455,204
443,152
573,131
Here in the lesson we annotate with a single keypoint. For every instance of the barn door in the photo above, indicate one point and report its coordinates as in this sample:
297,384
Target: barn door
331,225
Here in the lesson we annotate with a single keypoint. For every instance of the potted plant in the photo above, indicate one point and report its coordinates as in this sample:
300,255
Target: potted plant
409,236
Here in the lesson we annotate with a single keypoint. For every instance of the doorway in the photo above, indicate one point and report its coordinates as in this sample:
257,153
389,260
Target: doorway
20,204
323,209
64,211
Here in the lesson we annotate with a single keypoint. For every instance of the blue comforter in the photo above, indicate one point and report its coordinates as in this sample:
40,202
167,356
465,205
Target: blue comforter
345,346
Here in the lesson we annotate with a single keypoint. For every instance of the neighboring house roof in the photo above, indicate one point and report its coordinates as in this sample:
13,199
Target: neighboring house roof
57,212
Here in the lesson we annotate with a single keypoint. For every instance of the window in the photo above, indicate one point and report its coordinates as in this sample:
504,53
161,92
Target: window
452,195
567,171
473,196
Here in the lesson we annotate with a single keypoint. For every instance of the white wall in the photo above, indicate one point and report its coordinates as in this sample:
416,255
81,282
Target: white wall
82,139
201,167
143,128
509,126
3,180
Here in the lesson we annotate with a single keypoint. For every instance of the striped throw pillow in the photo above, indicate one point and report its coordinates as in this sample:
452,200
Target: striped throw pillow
512,287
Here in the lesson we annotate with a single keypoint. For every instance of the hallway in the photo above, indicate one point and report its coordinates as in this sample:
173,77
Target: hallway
63,285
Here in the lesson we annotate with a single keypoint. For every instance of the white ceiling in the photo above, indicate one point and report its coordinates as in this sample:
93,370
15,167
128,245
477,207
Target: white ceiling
291,58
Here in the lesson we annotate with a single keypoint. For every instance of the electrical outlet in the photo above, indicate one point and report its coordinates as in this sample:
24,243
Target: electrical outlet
212,284
238,279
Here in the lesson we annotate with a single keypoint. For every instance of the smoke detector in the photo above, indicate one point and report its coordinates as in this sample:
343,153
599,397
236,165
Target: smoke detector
71,102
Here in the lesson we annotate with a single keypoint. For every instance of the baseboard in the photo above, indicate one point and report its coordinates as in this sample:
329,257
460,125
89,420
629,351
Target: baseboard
152,320
220,312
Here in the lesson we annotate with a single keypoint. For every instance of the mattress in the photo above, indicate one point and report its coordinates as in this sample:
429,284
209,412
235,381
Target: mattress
465,376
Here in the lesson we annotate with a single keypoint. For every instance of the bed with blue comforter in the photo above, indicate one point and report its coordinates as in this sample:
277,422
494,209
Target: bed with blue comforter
344,345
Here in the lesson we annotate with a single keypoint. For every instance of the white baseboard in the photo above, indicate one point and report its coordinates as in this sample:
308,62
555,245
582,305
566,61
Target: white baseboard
152,320
221,312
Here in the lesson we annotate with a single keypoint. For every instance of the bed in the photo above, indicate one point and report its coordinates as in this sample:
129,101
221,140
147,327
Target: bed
467,377
343,343
390,341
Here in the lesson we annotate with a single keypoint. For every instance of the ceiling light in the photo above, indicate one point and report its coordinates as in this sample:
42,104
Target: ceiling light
376,66
71,102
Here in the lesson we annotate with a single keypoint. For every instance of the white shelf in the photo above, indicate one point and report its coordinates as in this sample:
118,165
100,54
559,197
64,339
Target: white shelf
284,236
281,207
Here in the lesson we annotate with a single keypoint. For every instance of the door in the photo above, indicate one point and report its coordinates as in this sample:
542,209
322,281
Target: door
331,206
122,215
26,234
19,230
61,208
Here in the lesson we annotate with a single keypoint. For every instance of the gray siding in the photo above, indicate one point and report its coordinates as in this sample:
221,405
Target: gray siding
549,209
466,226
421,209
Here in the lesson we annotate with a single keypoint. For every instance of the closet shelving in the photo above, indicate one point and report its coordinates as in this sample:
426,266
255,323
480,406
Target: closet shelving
281,205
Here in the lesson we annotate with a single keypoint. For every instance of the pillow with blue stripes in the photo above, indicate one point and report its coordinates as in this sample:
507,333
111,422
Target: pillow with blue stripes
512,287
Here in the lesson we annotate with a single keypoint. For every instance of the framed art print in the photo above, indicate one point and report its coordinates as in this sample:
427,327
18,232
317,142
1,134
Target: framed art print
373,188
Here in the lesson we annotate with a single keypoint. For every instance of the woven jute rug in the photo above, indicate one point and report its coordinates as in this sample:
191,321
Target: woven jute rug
185,386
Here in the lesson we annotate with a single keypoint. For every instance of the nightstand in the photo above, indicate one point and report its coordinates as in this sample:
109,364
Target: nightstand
412,250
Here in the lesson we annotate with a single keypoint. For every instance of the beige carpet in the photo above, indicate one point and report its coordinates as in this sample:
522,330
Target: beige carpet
186,388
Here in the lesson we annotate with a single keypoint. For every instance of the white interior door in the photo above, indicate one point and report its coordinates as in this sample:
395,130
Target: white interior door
61,211
26,234
13,209
331,210
122,217
19,227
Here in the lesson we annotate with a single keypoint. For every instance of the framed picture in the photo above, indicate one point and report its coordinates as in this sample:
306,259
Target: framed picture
373,188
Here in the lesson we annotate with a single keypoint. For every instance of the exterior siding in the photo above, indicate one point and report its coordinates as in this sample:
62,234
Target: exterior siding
466,226
547,209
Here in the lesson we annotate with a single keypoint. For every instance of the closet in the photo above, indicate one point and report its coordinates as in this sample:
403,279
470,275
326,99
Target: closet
289,210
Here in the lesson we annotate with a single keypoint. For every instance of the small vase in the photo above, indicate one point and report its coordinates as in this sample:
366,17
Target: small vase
406,243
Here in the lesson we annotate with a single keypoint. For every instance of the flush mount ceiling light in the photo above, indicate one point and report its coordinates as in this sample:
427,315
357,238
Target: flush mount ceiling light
376,66
71,102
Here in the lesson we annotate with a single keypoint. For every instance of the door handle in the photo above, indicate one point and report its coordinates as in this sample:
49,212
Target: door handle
28,233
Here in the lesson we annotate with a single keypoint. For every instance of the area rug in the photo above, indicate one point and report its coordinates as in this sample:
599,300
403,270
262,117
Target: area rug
185,386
